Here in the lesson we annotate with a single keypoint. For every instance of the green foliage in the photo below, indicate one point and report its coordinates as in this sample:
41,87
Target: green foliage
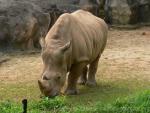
139,103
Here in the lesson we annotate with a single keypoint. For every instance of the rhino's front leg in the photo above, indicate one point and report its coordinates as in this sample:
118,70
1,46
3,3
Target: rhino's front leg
83,78
75,72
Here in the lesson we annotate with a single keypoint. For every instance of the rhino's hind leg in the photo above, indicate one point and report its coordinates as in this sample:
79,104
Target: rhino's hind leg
92,71
83,78
73,76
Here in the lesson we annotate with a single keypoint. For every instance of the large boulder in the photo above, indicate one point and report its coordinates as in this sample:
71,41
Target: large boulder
117,11
127,11
22,24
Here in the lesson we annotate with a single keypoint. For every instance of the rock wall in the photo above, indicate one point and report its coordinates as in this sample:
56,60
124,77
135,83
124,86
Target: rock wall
23,23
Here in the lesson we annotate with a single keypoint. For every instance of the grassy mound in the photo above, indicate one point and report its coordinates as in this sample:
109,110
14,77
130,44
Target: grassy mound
139,103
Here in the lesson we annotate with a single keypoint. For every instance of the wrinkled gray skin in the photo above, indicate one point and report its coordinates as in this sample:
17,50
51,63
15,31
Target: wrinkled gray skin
75,41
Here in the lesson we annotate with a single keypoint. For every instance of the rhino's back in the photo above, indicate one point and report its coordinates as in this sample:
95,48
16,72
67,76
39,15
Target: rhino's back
89,35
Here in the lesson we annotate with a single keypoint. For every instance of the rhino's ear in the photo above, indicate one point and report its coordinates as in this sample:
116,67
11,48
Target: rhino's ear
65,47
42,43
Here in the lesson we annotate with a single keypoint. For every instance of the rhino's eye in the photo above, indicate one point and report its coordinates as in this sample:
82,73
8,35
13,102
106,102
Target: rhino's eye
58,77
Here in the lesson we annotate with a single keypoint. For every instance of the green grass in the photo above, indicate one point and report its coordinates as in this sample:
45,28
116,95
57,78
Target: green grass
106,91
137,103
44,104
107,97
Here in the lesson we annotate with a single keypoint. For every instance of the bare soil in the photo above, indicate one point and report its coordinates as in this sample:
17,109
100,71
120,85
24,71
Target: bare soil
126,58
127,54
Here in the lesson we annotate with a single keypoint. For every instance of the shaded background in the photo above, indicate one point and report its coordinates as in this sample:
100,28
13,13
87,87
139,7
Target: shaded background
23,23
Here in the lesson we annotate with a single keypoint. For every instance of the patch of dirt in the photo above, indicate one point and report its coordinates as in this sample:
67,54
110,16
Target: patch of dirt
127,56
21,68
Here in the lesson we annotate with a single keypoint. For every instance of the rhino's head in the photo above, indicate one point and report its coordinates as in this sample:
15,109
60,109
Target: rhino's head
54,70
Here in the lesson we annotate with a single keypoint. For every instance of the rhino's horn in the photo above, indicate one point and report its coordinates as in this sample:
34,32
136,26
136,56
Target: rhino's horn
40,84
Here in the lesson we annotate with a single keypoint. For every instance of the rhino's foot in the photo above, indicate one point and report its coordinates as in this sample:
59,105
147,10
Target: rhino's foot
81,82
71,92
91,83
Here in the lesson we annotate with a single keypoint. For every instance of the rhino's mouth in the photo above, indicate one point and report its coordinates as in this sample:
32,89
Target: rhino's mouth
54,94
49,92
